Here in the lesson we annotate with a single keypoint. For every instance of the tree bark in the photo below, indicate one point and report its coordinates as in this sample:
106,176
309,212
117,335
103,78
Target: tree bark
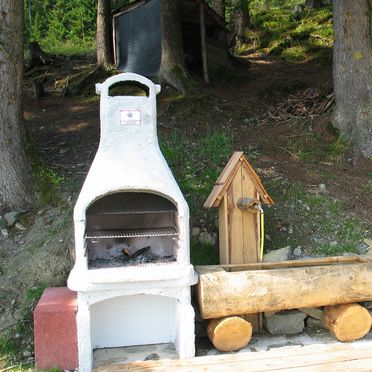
219,7
240,20
16,189
352,77
172,66
104,34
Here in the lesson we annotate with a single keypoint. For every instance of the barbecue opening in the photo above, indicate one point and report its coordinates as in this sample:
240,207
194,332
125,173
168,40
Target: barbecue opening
129,229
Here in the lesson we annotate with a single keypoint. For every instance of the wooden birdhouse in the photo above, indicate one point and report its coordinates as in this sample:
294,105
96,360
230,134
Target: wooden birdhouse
238,194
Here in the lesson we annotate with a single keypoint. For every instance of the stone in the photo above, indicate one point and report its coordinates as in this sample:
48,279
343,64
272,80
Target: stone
19,226
362,248
4,233
368,242
207,238
297,252
286,322
314,312
3,224
314,324
153,356
282,254
12,217
290,230
195,232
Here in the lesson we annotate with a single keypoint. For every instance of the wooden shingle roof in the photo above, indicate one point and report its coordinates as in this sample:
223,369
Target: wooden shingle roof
224,180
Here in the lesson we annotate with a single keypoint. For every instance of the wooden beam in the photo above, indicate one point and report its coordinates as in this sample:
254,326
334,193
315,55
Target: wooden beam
336,260
202,42
224,294
311,358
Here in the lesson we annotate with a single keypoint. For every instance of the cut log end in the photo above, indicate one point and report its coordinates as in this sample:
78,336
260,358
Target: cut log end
347,322
230,333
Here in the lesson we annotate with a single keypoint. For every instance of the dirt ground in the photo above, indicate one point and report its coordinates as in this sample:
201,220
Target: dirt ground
65,130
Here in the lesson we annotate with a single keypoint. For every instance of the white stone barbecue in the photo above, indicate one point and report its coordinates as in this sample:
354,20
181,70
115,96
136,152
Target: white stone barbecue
130,200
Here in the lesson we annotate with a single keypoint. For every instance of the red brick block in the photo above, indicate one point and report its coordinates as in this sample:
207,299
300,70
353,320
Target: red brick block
55,331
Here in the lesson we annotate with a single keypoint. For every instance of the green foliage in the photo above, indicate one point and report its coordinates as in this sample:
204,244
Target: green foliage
328,221
12,342
47,181
203,254
55,22
275,31
196,163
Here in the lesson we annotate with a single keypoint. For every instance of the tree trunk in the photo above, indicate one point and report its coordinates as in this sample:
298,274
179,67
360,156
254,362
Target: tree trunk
219,7
172,67
104,34
16,189
240,20
352,77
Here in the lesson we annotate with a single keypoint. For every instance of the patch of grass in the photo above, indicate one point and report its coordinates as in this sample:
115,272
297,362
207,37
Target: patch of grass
337,149
276,32
47,182
294,53
319,223
311,147
32,248
196,162
17,343
70,48
203,253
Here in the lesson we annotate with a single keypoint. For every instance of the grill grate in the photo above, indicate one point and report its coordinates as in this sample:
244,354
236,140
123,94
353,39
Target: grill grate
107,234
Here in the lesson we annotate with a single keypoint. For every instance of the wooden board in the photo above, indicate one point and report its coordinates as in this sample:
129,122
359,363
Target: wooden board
251,241
325,261
234,293
223,232
235,220
312,358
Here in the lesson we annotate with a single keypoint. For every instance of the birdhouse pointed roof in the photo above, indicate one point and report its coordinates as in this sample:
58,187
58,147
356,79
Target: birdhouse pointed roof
226,177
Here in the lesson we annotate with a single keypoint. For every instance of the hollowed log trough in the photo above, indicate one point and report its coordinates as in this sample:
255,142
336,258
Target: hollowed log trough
227,290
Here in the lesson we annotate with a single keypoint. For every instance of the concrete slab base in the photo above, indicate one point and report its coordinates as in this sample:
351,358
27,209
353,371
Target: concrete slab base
118,355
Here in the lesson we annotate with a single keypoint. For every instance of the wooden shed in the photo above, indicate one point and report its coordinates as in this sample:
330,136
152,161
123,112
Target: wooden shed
137,37
238,194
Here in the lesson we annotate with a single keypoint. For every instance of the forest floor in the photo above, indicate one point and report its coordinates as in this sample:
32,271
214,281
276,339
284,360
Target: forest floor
323,195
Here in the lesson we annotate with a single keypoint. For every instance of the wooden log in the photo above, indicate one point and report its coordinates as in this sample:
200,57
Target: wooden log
324,261
229,333
347,322
223,294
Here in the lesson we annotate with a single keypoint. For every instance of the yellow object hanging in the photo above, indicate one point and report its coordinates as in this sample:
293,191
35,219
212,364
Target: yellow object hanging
262,237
